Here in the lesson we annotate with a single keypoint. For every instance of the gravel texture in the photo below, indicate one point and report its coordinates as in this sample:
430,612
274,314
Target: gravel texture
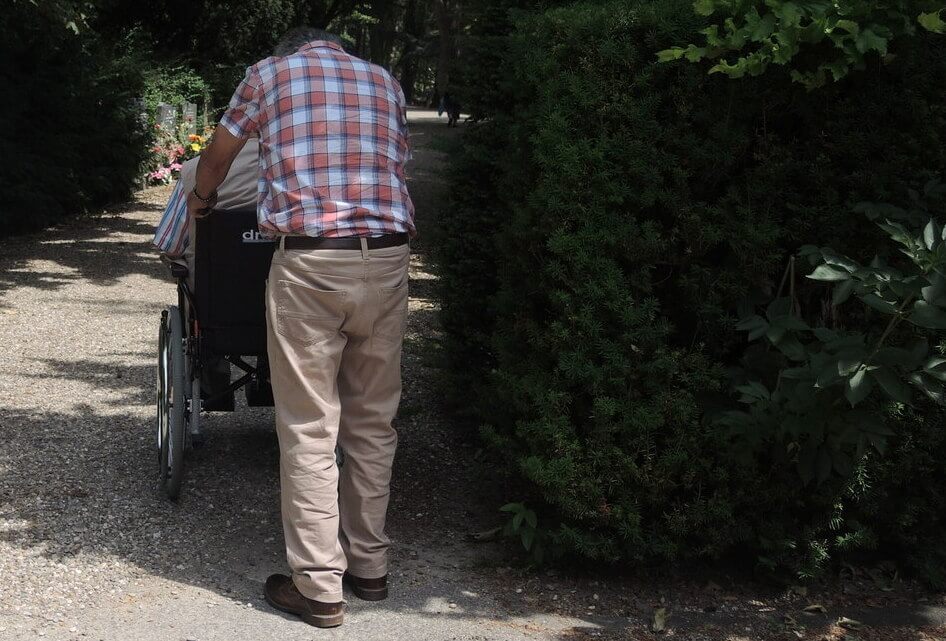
89,549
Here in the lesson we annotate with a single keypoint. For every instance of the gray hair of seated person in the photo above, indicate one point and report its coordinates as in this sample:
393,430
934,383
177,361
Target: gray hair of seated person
299,36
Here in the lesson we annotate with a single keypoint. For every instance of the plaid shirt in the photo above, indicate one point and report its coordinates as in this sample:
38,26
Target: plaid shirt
171,235
333,138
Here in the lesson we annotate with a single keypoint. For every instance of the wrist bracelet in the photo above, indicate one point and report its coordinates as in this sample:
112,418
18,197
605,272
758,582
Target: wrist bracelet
206,200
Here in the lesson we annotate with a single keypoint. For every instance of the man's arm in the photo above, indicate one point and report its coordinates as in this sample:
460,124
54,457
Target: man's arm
214,164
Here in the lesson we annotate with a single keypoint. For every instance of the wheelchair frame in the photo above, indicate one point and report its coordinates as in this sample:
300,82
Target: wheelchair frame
190,333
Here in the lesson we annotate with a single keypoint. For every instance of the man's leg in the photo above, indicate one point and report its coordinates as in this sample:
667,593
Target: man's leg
370,390
305,313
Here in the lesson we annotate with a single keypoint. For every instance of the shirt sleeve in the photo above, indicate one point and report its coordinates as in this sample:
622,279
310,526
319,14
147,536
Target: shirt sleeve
171,237
242,118
405,134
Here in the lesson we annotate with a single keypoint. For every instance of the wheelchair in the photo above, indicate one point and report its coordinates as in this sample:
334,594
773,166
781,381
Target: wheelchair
223,317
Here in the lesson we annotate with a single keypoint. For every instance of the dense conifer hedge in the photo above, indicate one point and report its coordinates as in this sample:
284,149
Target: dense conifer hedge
614,217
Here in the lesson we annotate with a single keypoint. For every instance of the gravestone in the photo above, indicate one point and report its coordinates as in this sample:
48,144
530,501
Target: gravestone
139,106
167,116
190,117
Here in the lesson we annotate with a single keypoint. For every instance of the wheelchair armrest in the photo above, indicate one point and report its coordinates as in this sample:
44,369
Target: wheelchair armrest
178,271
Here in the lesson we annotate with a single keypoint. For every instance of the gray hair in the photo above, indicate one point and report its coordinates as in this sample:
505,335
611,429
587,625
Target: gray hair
299,36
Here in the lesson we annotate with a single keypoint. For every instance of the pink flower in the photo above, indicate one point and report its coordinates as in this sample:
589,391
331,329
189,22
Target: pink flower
175,166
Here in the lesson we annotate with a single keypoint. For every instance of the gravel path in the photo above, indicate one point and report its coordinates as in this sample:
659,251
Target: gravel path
90,550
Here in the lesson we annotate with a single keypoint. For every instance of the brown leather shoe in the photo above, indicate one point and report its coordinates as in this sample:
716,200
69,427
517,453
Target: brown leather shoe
367,589
282,594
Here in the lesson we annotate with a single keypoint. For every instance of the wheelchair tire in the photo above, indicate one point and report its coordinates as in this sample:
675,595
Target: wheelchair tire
259,391
258,394
171,403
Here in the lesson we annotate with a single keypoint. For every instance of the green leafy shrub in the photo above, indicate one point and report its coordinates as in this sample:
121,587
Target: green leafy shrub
819,41
76,139
829,402
614,218
174,85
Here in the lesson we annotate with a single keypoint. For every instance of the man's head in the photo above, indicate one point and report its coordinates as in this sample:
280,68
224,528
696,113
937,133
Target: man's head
299,36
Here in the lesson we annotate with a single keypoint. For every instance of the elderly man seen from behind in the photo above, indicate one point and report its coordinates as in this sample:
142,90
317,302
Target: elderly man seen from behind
333,145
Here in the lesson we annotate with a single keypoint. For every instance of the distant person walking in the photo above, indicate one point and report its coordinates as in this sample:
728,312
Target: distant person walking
451,107
333,144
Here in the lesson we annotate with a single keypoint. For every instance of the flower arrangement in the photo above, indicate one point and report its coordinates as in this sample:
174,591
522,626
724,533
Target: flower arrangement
172,147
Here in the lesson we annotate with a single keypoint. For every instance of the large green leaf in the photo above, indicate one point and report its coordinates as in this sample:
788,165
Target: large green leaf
849,26
842,291
858,387
527,536
778,308
868,40
759,27
754,390
792,348
824,334
750,322
931,234
796,373
829,274
933,21
850,361
876,302
899,234
668,55
846,342
929,386
704,7
935,292
892,385
928,316
936,367
792,323
789,13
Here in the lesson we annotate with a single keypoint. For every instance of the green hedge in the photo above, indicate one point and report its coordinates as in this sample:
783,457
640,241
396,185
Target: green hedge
612,218
73,139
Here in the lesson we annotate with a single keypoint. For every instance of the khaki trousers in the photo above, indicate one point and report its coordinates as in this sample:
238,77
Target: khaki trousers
335,327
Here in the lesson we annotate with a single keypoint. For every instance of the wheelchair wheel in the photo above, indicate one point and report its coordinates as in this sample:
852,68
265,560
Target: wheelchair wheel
170,402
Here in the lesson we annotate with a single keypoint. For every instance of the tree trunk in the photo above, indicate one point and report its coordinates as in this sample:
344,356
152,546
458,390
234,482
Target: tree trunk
413,31
446,10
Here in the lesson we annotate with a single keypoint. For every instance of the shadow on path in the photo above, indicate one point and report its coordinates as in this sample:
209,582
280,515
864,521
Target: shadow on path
77,478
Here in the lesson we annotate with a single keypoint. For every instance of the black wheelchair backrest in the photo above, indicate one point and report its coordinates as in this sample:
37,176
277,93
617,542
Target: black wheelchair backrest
231,264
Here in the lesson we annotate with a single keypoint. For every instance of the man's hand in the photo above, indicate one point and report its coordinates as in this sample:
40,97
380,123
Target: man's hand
212,168
199,208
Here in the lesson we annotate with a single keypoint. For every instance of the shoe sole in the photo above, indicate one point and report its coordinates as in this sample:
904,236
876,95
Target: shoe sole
316,620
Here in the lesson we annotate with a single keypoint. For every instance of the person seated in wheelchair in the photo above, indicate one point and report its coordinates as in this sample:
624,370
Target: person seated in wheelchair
173,238
237,192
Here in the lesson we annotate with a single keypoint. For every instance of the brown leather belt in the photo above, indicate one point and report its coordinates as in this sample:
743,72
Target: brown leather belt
377,242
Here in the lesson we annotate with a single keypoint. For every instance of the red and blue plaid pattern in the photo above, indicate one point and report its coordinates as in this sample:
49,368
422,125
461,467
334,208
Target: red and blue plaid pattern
171,235
333,144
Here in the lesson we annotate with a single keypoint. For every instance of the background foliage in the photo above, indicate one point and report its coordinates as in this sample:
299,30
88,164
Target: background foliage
615,218
74,139
89,75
